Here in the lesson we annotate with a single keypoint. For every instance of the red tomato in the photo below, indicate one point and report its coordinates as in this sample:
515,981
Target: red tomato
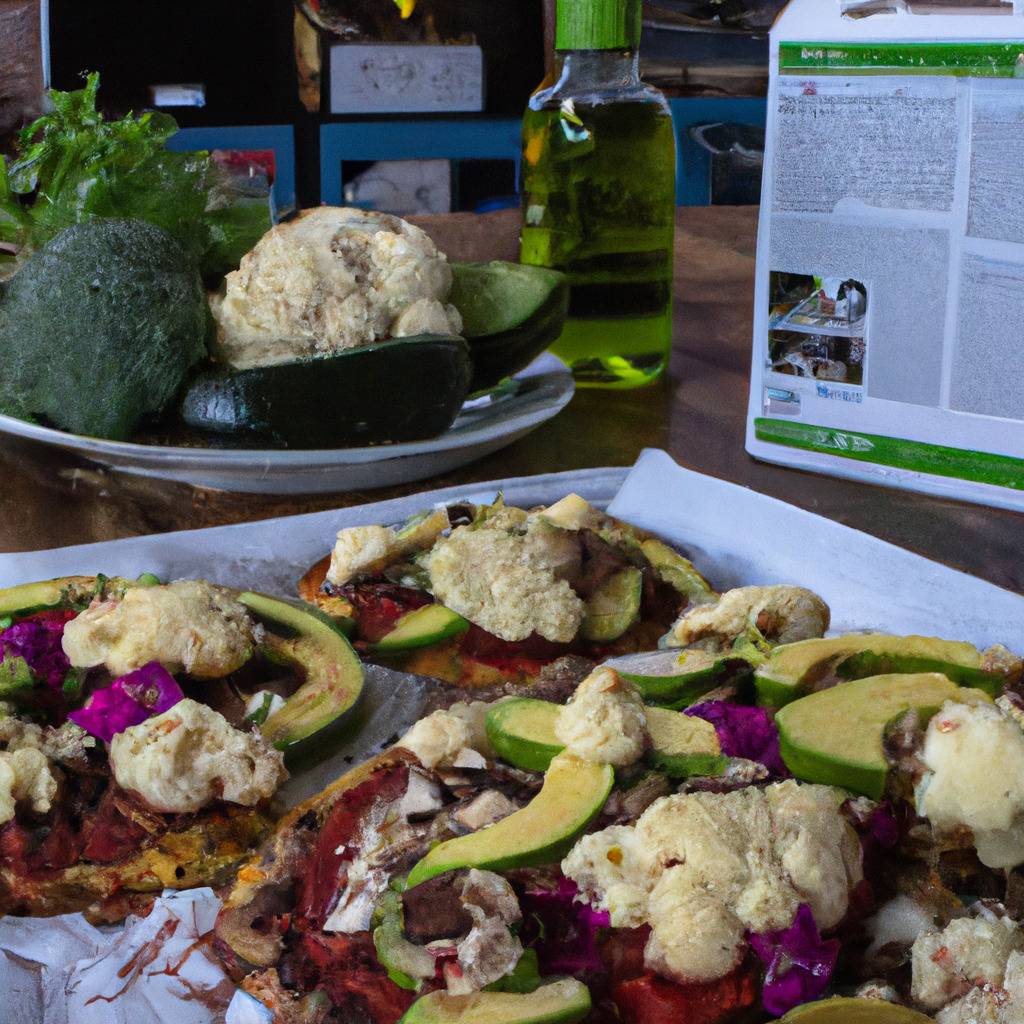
653,1000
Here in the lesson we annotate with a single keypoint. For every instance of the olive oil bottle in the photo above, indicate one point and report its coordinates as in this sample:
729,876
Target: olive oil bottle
598,192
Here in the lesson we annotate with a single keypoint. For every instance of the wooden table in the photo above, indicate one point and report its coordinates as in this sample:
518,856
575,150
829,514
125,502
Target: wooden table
697,412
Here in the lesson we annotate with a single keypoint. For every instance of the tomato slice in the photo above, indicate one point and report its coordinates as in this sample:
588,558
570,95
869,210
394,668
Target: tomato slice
653,1000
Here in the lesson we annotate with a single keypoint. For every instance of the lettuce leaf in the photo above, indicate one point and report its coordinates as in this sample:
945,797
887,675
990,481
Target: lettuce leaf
73,165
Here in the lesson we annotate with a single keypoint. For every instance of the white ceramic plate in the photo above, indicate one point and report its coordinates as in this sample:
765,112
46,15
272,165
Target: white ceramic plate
486,424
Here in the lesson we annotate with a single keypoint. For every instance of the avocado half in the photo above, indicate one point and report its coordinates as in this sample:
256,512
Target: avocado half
510,314
409,389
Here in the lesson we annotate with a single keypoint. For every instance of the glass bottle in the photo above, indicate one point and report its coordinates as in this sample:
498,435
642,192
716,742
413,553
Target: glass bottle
598,193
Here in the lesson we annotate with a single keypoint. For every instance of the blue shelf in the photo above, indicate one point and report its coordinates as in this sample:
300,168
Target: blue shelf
278,137
412,139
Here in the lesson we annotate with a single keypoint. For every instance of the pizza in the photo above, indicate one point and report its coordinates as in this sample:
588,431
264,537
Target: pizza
142,734
823,839
486,595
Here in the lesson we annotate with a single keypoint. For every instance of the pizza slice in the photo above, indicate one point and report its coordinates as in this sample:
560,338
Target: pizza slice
143,732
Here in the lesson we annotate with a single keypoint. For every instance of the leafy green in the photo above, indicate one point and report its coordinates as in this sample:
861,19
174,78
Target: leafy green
73,165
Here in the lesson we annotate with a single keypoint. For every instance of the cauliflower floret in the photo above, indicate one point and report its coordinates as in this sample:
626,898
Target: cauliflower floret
605,721
991,1004
360,549
975,760
182,759
783,614
496,579
966,953
611,873
25,775
440,739
332,279
720,864
190,625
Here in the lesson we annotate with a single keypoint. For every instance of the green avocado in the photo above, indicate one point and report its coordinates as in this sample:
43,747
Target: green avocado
613,607
835,736
64,592
522,731
99,327
423,627
409,389
510,314
794,669
558,1002
678,572
854,1011
675,678
333,671
573,793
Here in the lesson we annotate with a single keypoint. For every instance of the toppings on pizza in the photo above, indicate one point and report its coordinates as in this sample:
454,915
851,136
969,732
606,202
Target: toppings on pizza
453,738
703,869
182,759
780,614
974,779
605,721
188,626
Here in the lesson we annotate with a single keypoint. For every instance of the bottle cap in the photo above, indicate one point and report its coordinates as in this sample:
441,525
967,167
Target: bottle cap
597,25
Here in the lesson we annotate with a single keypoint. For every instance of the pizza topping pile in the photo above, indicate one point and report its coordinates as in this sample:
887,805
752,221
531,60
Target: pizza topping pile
605,721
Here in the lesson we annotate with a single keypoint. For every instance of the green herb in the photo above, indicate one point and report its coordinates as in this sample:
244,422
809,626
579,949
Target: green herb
6,622
73,683
73,164
259,716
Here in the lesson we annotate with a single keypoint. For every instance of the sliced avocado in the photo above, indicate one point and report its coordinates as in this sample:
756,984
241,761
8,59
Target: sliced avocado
854,1011
678,572
522,731
510,314
836,736
64,591
558,1002
15,676
682,745
794,669
407,964
613,607
423,627
573,793
334,674
676,678
371,394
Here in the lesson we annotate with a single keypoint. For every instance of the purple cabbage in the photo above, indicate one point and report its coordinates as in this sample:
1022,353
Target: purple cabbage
129,700
565,931
798,961
38,641
744,732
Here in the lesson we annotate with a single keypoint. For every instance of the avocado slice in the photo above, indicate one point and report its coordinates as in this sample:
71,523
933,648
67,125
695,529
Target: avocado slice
675,678
613,607
558,1002
510,314
522,731
406,963
835,736
334,673
678,572
422,627
64,592
794,669
853,1011
573,793
371,394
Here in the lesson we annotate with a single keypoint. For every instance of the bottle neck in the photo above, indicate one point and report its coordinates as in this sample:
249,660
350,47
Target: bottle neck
597,69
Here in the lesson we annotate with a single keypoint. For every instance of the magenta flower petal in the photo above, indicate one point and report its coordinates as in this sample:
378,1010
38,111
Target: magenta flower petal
38,641
798,961
128,701
744,731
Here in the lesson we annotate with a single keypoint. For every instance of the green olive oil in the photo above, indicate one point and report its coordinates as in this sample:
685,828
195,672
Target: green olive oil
598,186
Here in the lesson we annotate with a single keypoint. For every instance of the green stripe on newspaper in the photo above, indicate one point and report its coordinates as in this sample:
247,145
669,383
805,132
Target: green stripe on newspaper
976,60
961,463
